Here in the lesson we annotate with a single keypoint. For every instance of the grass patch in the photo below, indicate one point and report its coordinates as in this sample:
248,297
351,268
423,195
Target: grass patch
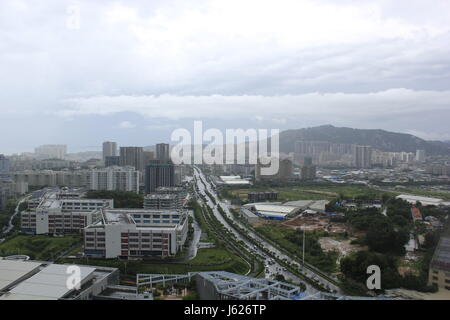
207,259
38,247
312,191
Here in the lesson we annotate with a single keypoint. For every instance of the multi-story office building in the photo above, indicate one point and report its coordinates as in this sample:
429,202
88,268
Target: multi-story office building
163,152
163,201
132,156
439,273
159,174
109,149
136,233
51,151
114,178
112,161
362,156
57,212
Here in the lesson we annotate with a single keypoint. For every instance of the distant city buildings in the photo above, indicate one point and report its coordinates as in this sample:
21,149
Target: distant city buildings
109,149
159,174
51,151
438,169
114,178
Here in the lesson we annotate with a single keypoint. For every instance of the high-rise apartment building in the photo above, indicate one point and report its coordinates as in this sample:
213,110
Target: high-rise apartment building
308,170
109,149
148,156
285,170
159,174
420,156
132,156
114,178
362,156
112,161
162,152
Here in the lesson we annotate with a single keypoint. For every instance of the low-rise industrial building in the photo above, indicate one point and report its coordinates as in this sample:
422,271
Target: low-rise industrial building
249,216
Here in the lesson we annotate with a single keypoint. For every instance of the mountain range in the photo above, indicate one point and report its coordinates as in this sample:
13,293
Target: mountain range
377,138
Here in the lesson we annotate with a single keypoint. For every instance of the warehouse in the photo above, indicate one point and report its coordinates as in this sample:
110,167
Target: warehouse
272,211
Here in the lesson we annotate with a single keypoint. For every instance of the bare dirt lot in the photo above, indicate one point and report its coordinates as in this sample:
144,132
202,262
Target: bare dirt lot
344,247
316,222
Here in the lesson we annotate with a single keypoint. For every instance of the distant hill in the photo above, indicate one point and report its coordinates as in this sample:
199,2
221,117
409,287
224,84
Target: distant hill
379,139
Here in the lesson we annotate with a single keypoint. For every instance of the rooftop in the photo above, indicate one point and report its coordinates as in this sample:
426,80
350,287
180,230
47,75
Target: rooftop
47,281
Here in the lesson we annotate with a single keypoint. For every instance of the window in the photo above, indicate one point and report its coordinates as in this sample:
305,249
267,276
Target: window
435,278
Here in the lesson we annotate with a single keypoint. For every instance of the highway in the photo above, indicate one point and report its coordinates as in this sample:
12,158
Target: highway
16,212
201,182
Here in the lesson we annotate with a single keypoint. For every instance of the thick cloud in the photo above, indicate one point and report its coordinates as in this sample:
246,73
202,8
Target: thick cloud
289,63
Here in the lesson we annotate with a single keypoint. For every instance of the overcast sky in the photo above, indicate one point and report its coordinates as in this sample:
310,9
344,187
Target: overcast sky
133,71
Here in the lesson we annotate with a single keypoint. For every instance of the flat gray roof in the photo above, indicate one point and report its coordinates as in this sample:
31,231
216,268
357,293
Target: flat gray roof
48,284
13,270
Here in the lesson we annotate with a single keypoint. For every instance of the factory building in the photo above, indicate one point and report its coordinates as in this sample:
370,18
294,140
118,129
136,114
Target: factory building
136,233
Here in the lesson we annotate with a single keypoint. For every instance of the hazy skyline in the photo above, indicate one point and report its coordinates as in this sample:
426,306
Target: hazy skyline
134,71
